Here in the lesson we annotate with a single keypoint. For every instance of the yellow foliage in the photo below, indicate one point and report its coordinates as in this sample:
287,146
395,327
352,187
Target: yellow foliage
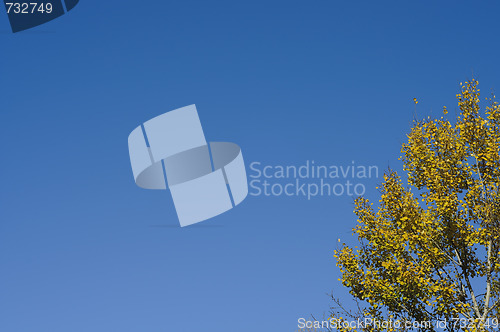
434,239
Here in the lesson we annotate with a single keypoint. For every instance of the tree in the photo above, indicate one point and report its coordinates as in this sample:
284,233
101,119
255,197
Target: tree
430,251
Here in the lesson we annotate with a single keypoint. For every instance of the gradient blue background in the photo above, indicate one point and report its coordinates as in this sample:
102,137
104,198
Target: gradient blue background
83,249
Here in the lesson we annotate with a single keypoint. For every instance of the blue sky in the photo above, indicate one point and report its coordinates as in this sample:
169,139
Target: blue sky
83,249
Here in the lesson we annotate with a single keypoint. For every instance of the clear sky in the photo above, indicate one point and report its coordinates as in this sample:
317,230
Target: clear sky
82,248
